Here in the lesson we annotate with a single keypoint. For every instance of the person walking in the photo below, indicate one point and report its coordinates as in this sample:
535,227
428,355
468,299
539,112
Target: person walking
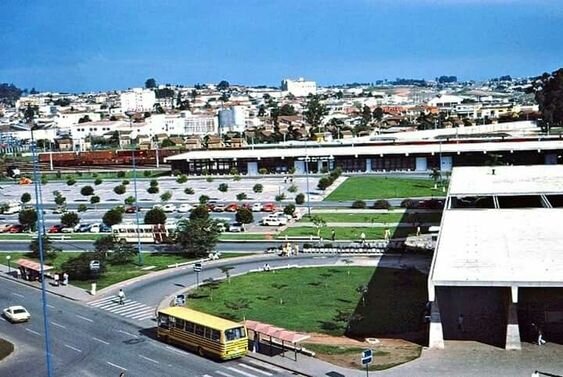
541,341
363,238
121,296
333,235
460,323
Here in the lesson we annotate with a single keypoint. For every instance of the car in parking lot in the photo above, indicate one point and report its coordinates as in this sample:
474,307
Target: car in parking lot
67,229
99,228
132,209
16,313
5,228
55,228
256,207
81,228
185,207
269,207
236,227
169,208
15,228
232,207
218,208
272,221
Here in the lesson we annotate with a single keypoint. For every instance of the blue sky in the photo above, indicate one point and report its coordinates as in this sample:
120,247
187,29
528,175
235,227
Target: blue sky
83,45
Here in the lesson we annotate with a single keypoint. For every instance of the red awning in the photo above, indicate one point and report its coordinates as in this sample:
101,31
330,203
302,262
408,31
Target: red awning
33,265
276,332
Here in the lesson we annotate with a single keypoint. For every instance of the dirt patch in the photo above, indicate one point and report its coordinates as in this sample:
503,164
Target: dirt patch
6,348
346,352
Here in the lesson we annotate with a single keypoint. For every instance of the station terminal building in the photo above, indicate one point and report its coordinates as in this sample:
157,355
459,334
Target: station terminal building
515,143
498,263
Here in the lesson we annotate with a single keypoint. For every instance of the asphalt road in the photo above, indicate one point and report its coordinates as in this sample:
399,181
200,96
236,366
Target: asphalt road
87,342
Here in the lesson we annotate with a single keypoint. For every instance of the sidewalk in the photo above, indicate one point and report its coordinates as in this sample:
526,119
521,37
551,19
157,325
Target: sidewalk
67,291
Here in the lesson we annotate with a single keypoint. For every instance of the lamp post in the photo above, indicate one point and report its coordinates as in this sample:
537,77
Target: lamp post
307,179
8,257
133,136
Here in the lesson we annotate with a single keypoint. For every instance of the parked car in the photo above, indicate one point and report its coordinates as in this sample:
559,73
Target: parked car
268,207
99,228
236,227
272,221
185,207
169,208
67,229
218,208
232,207
157,206
221,227
81,228
16,313
282,214
256,207
15,228
132,209
55,228
59,210
5,228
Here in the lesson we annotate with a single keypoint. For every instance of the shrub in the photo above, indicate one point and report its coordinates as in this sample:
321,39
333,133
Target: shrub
236,178
359,204
155,216
87,190
182,179
203,199
125,182
280,197
98,181
82,208
94,175
70,181
289,209
94,199
120,174
209,179
152,190
262,171
176,172
44,180
166,196
241,196
291,170
223,187
257,188
130,200
119,189
381,204
233,171
147,173
300,198
25,198
408,203
244,215
58,174
336,173
154,183
189,191
324,182
292,189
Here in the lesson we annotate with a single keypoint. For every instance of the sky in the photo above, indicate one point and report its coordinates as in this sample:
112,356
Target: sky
91,45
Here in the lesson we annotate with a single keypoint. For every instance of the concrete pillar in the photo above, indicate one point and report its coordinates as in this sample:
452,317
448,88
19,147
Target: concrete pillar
512,328
436,338
319,166
368,165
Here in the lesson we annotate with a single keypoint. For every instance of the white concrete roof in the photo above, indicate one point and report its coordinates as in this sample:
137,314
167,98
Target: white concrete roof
494,247
472,181
370,150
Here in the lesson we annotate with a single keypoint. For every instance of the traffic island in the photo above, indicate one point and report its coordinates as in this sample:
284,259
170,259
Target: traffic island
6,348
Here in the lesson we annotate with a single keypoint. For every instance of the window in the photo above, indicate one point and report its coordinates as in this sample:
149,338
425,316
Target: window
164,321
180,324
189,327
215,335
234,334
199,330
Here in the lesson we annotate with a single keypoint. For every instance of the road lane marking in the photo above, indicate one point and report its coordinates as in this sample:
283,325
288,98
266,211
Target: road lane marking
149,359
255,369
100,300
240,372
17,294
269,366
33,332
224,374
3,319
50,306
73,348
126,333
142,313
101,341
84,318
175,350
116,366
126,308
58,325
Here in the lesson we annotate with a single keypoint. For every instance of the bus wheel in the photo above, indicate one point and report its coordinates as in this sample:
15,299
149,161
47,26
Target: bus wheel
200,351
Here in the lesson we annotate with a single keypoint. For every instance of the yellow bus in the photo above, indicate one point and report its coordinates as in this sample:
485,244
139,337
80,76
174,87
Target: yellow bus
204,333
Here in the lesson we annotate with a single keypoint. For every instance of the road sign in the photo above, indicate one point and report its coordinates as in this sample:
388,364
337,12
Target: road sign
197,267
367,360
180,300
94,265
367,353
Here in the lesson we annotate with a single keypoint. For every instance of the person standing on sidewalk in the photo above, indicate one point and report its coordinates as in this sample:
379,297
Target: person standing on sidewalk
333,235
121,296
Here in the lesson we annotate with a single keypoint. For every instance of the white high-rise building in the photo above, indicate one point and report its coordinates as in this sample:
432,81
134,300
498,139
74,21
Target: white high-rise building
138,99
299,88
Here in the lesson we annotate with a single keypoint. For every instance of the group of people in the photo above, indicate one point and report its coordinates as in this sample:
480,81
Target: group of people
60,279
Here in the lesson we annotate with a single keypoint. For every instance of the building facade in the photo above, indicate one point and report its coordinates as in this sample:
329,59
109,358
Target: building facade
138,100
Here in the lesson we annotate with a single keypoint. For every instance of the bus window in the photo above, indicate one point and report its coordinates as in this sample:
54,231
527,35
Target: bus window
215,335
164,321
199,330
234,334
180,324
189,327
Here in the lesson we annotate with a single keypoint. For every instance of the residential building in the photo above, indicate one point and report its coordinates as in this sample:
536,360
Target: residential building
300,87
138,100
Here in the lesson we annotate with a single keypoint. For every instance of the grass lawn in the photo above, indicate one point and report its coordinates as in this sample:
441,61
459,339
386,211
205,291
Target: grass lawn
345,233
322,300
6,348
368,218
365,188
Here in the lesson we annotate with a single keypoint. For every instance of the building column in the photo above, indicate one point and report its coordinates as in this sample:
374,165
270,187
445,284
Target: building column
319,166
368,165
436,337
512,328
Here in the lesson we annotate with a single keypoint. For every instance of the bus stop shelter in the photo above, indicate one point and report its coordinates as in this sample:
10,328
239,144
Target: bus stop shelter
32,270
276,334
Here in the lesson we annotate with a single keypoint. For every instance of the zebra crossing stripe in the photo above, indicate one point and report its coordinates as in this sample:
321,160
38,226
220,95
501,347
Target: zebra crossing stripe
240,372
138,313
255,369
104,307
258,364
101,300
125,308
224,374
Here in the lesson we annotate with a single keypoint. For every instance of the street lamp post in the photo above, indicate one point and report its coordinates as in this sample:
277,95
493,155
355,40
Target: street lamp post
8,257
132,136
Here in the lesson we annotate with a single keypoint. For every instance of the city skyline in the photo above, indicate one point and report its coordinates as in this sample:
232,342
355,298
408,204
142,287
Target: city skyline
101,45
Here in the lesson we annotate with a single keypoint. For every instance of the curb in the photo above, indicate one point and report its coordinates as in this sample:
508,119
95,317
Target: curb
3,276
295,371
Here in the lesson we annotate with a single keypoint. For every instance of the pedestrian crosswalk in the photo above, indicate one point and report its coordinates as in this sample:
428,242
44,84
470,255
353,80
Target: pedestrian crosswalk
247,368
129,309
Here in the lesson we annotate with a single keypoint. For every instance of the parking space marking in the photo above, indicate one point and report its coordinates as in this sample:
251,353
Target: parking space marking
17,294
32,331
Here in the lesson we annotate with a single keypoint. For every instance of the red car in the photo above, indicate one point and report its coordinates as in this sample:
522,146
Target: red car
233,207
132,209
15,229
268,207
55,229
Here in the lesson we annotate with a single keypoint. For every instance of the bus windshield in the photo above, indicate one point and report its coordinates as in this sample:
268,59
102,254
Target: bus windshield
234,334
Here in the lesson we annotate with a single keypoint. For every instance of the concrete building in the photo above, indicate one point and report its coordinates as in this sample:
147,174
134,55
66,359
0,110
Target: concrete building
498,264
300,87
232,119
199,124
137,99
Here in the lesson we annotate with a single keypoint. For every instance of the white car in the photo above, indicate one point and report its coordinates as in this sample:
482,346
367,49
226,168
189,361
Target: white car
169,208
185,207
67,229
282,214
272,221
16,314
236,227
256,207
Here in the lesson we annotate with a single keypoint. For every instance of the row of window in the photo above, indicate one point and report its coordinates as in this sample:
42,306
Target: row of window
200,330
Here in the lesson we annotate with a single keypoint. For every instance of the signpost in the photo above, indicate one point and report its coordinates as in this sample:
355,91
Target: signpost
197,270
367,359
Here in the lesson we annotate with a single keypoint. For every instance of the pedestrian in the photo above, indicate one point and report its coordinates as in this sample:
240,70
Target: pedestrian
122,374
333,235
65,278
541,341
56,277
363,238
256,342
121,296
418,230
460,323
18,273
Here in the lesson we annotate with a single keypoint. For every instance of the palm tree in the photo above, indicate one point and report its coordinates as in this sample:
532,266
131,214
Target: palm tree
227,271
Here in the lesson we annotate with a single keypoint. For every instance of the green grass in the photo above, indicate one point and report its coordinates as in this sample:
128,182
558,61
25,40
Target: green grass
339,350
369,188
346,233
6,348
321,300
368,218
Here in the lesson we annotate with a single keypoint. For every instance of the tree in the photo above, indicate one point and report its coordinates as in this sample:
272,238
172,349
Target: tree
119,189
82,207
60,200
287,110
261,111
223,187
87,190
258,188
71,181
94,199
48,249
319,223
167,143
203,199
199,212
378,113
112,217
104,244
227,271
130,200
315,111
366,115
189,191
166,196
25,198
289,209
28,219
435,176
155,216
548,90
150,83
153,190
241,196
300,198
223,85
122,254
197,237
182,179
70,219
244,215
